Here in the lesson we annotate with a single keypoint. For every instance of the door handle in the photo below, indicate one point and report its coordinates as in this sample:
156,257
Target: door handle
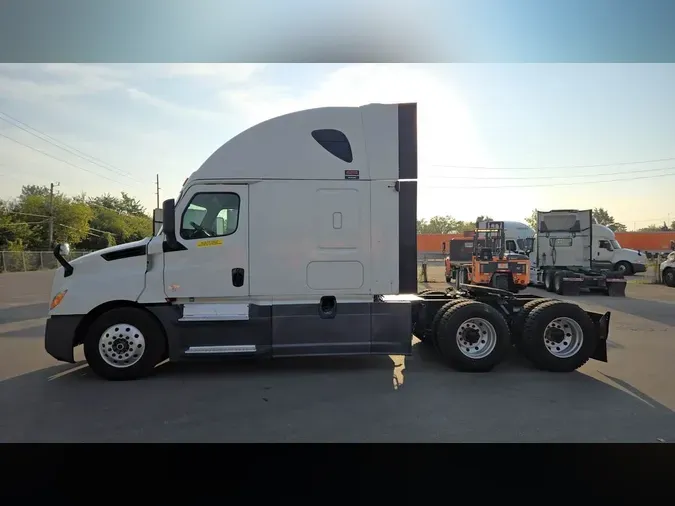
238,276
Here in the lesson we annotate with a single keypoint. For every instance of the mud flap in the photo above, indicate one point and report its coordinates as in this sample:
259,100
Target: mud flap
602,329
571,286
616,287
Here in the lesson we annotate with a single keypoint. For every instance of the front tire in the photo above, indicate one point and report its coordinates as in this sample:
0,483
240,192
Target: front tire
624,268
124,344
669,277
473,337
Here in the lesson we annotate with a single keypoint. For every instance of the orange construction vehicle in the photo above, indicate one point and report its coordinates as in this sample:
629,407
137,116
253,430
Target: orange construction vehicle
491,265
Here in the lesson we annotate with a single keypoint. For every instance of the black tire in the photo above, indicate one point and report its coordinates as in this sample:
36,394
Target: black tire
431,337
624,268
533,345
450,324
669,277
558,286
548,281
154,346
518,321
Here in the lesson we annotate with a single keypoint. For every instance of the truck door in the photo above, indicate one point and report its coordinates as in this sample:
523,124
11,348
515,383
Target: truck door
212,228
603,252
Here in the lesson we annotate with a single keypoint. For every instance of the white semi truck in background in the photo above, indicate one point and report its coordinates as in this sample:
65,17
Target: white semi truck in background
607,252
334,190
563,252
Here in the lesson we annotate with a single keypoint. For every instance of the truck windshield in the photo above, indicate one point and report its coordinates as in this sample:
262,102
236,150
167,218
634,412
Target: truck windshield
615,244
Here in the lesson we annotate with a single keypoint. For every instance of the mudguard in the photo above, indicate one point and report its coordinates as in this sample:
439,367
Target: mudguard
602,330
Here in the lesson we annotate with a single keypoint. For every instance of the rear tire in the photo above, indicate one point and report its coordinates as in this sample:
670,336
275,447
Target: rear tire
518,322
124,344
473,337
558,337
431,337
548,281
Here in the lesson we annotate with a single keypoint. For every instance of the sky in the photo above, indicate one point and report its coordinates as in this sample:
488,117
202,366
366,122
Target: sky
494,139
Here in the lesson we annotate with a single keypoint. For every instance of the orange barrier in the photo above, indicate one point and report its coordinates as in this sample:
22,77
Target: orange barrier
645,241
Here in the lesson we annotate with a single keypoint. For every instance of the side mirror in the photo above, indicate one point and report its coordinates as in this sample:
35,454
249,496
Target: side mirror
169,222
64,249
157,217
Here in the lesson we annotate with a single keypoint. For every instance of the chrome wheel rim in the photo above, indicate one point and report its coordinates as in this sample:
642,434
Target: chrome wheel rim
476,338
121,345
563,337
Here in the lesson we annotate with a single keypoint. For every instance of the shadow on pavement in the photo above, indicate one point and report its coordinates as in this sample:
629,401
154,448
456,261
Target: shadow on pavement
328,399
25,312
34,331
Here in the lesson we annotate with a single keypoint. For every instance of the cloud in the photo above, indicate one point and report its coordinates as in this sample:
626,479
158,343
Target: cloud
170,107
446,132
236,73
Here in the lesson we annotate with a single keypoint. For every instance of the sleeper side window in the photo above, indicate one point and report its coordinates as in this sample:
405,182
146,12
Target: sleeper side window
210,215
335,142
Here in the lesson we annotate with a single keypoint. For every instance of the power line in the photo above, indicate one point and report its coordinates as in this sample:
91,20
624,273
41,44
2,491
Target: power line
551,177
552,185
61,160
479,167
65,147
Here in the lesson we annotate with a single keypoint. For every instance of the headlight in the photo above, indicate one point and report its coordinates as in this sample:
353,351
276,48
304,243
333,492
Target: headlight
57,299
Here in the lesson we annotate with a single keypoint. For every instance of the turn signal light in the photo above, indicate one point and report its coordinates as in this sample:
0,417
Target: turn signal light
57,299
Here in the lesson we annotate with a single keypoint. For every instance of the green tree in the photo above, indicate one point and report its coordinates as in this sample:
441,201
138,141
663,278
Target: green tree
604,218
532,219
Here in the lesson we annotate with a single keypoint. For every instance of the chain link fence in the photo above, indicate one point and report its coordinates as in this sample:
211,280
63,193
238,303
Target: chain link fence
25,261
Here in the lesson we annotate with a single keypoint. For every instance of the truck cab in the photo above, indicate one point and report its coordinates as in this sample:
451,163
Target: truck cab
517,235
609,255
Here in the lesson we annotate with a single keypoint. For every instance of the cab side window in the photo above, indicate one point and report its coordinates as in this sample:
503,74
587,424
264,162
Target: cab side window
510,245
605,245
210,215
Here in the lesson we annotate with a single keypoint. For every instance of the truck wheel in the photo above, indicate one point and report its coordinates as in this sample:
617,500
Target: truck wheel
518,321
558,337
431,336
473,336
124,343
548,281
558,283
624,268
669,277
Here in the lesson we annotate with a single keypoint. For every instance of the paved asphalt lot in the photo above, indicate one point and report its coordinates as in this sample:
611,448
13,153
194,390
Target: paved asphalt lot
342,400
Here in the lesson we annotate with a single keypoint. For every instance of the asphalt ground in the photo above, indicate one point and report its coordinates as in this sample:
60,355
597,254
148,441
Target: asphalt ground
371,399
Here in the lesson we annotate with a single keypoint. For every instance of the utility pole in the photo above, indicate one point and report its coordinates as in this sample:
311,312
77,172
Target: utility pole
51,213
157,192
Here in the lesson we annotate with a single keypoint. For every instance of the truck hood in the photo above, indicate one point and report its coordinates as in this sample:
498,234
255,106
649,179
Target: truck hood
639,257
112,249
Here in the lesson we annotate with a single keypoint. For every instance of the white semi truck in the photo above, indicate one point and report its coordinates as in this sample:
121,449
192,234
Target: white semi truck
563,253
608,253
334,190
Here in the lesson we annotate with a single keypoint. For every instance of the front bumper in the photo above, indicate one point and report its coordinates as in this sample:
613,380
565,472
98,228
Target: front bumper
60,336
639,268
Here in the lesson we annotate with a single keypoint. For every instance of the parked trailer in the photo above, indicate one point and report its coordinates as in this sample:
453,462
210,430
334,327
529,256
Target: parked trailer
334,190
562,255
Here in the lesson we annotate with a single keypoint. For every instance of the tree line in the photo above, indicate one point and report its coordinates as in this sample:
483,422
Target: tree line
84,222
449,225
